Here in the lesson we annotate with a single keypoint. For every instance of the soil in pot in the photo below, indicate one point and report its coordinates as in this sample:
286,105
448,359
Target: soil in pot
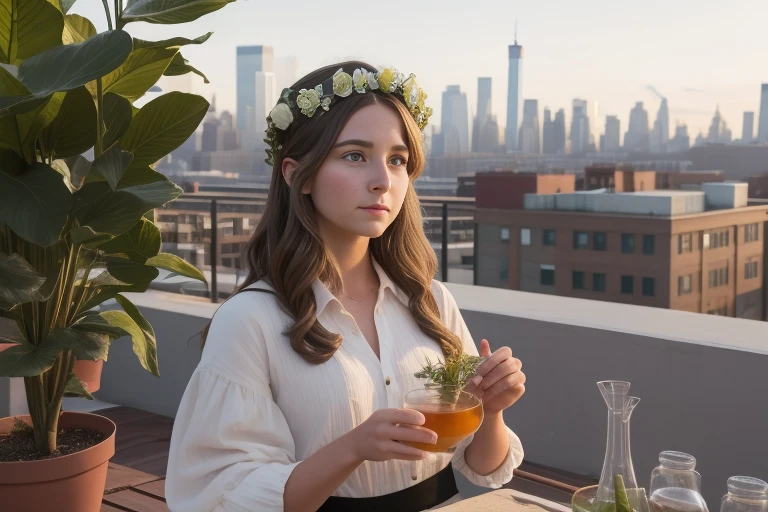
20,444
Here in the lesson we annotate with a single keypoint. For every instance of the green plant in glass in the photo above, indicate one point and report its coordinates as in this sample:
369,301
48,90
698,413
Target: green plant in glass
75,232
450,376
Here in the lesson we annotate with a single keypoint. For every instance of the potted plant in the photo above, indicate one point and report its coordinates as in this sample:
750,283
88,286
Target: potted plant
75,233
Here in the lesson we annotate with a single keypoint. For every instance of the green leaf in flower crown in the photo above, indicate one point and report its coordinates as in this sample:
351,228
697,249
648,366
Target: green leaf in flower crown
175,264
180,66
27,28
77,29
76,388
112,164
19,281
73,130
140,71
139,243
144,342
115,212
163,125
67,67
167,43
28,360
170,11
117,117
35,204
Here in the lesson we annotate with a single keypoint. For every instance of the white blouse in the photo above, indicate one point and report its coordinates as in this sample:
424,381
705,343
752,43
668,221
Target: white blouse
254,409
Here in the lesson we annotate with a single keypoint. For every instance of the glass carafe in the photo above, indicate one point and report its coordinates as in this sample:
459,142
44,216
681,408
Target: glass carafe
745,494
676,485
617,467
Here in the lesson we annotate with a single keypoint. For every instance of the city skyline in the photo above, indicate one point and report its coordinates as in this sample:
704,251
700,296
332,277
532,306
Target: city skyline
563,60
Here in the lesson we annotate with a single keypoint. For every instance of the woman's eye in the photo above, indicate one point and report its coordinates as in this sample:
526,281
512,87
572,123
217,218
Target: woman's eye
400,160
354,157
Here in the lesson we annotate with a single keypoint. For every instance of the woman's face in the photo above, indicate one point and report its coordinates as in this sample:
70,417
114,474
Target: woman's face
365,168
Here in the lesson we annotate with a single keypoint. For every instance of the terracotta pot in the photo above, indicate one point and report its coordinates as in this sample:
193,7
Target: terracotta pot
89,373
71,483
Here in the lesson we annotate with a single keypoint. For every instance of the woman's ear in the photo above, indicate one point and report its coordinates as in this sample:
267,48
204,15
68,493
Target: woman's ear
289,166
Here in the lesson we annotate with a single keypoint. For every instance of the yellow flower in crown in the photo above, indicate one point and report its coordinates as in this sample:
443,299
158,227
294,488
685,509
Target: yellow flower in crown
309,99
342,84
385,79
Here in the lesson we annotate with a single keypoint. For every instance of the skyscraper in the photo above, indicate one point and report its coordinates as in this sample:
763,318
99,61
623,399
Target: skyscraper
514,94
529,141
250,59
762,124
286,73
612,137
681,142
483,111
719,133
580,134
210,138
660,134
747,129
454,122
560,132
548,134
637,136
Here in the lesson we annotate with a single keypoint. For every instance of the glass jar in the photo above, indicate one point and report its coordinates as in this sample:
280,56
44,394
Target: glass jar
745,494
676,485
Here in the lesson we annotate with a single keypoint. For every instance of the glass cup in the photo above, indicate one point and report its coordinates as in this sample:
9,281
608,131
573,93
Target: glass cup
452,414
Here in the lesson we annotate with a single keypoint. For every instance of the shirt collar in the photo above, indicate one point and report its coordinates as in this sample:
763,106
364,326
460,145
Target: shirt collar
323,295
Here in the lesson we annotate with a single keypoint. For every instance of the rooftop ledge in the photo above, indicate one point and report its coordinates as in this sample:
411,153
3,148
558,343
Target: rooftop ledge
681,326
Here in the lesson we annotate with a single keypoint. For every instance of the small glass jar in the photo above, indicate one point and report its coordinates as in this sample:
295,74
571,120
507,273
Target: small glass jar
745,494
676,485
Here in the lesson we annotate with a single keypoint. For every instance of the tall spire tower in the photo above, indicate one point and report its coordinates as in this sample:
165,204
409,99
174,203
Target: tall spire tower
514,94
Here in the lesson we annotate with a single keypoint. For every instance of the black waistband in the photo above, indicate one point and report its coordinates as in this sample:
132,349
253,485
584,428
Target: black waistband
427,494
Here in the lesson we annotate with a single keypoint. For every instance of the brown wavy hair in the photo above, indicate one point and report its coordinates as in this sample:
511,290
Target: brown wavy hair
286,249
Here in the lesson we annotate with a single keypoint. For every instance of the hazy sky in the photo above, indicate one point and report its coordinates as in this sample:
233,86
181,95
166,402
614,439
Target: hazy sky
697,53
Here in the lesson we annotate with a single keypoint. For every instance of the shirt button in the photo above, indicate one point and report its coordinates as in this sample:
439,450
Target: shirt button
387,381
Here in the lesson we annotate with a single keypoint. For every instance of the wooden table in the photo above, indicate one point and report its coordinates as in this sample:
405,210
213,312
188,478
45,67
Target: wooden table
132,490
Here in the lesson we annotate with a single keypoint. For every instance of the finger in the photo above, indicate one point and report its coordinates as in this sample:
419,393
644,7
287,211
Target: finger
409,416
508,367
485,348
395,450
510,383
497,357
417,434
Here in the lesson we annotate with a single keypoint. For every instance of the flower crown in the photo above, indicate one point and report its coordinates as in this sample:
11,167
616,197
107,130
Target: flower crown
341,84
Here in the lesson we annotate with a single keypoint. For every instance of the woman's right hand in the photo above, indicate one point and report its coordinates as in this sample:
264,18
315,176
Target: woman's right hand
378,438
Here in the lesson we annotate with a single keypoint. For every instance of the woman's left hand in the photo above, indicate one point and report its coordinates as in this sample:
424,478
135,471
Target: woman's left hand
499,381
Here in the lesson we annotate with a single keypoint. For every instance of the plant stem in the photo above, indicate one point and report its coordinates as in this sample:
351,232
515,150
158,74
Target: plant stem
99,149
118,12
109,16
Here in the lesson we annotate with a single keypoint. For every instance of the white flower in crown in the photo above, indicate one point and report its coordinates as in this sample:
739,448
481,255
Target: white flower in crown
282,116
342,84
373,83
359,79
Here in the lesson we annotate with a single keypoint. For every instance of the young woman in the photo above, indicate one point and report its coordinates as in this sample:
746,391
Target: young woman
297,403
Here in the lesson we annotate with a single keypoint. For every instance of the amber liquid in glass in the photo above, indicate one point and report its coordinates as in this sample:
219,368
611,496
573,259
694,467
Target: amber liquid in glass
451,426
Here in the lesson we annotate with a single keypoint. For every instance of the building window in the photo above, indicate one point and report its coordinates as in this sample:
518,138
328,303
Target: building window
548,275
723,311
505,235
599,241
598,282
548,237
649,286
684,285
628,285
751,233
504,270
684,243
580,240
718,277
717,239
649,244
750,269
627,243
578,280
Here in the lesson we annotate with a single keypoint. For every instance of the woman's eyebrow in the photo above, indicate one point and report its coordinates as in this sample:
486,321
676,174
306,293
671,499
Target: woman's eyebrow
366,144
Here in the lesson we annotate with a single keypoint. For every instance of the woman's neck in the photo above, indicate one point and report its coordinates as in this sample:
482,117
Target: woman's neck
354,260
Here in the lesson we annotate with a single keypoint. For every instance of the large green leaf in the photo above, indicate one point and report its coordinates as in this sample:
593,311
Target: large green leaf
66,5
112,164
15,98
139,243
167,43
140,176
28,360
66,67
79,169
75,388
11,163
35,204
144,342
140,71
27,28
115,212
77,29
73,131
162,125
180,66
117,117
84,343
31,124
170,11
175,264
99,323
19,281
9,331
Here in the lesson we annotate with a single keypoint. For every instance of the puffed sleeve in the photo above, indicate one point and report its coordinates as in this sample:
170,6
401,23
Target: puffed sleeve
231,448
451,315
